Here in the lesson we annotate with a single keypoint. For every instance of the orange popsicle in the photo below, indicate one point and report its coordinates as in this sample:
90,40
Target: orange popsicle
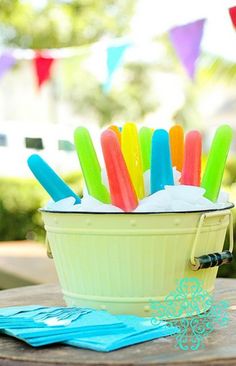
176,134
191,173
117,132
121,188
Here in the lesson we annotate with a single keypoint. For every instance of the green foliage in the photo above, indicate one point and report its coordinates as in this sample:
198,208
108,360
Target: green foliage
229,185
133,100
78,23
62,23
229,270
20,200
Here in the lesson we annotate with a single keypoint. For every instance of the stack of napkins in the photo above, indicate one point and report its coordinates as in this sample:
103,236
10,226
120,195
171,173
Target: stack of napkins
79,327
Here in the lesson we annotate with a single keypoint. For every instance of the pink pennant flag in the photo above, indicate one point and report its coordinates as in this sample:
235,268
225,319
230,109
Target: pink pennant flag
43,67
232,13
186,39
7,60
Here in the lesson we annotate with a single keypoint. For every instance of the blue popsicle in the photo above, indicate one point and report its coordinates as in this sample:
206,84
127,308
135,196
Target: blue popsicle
161,165
50,181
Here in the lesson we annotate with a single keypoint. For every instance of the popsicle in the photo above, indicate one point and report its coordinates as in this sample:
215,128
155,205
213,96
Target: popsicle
121,188
131,151
117,131
50,181
216,161
145,140
176,134
90,165
191,173
161,165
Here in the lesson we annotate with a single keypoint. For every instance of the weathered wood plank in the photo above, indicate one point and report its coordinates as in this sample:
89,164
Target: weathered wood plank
220,345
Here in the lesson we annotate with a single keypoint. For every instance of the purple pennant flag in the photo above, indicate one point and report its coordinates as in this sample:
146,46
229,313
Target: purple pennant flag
7,60
186,39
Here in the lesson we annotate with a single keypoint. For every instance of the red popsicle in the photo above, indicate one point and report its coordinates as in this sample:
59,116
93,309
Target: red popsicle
121,189
191,173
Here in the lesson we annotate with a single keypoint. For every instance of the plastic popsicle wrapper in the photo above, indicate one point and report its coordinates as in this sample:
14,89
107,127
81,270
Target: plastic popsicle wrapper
176,134
117,132
191,173
161,165
132,155
90,165
121,189
50,181
213,174
145,140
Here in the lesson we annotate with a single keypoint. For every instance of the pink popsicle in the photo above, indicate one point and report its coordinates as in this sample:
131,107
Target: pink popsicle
191,173
121,189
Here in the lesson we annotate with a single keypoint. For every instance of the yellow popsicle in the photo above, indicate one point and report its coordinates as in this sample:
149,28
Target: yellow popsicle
131,151
176,134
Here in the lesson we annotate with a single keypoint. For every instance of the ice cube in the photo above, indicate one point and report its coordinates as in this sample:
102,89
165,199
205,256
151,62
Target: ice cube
206,204
157,202
90,204
147,179
48,205
188,194
63,205
179,205
90,201
223,197
108,208
220,206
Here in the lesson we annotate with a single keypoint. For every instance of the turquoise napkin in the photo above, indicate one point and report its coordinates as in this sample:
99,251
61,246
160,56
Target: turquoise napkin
40,326
139,330
79,327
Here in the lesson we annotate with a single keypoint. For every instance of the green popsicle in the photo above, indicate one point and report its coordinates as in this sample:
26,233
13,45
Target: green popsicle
145,140
216,161
90,165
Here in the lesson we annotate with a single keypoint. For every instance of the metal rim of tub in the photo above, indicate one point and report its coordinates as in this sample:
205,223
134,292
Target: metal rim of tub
226,207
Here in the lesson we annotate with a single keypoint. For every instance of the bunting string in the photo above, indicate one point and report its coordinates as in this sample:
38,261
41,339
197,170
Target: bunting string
186,40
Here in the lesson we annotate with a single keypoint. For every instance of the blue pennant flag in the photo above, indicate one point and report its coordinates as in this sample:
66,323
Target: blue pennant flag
115,55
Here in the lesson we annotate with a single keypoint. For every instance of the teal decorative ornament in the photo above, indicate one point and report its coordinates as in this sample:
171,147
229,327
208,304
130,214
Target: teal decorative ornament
195,312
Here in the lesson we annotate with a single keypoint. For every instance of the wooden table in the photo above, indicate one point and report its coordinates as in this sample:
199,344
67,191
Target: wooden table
220,345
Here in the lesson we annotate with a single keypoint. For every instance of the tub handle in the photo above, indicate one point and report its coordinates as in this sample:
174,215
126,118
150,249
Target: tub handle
212,259
49,252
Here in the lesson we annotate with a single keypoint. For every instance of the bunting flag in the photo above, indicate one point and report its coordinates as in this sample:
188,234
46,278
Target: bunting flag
115,55
186,39
232,13
43,67
7,60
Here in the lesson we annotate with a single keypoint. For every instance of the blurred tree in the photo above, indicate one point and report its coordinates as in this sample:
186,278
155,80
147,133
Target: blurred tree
52,24
133,99
55,24
212,73
214,77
